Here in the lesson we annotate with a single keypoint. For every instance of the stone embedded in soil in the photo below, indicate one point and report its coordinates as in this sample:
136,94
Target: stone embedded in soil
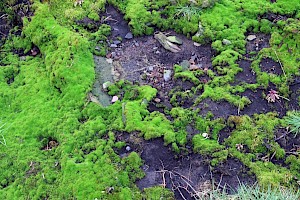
226,42
167,74
128,148
114,99
197,44
151,68
128,36
157,100
113,46
185,64
116,42
251,37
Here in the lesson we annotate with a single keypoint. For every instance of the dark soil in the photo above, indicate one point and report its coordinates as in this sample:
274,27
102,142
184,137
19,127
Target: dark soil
254,46
260,105
270,66
288,141
247,75
21,9
273,17
14,18
143,60
221,109
191,171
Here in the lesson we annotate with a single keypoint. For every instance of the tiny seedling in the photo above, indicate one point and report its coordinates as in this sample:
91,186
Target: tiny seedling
273,96
187,11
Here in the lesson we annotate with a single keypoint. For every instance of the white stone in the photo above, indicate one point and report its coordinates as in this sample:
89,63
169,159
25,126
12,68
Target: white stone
251,37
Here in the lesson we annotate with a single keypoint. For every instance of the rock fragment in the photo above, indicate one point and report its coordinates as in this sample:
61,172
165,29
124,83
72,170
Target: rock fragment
128,36
251,37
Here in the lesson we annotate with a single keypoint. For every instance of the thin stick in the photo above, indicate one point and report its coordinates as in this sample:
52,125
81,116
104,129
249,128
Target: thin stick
283,135
2,33
280,64
284,97
163,174
4,15
189,175
220,181
181,193
294,153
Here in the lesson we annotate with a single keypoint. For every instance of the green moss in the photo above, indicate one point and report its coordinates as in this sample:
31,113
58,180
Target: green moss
219,157
158,192
205,146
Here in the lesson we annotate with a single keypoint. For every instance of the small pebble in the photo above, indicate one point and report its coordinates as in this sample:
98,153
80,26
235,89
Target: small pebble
128,148
157,100
128,36
114,99
113,54
151,68
117,42
167,75
251,37
197,44
113,46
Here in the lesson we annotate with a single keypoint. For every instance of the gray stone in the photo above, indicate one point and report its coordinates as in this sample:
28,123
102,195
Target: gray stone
151,68
197,44
167,74
128,148
113,54
251,37
185,64
226,42
117,42
97,48
113,46
128,36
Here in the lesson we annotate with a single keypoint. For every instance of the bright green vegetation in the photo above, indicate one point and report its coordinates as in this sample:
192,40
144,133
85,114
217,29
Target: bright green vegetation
44,99
256,192
293,120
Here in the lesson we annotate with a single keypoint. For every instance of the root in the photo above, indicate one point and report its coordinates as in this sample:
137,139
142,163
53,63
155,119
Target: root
178,183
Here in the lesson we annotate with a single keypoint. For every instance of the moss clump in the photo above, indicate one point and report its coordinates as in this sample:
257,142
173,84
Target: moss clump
206,146
158,193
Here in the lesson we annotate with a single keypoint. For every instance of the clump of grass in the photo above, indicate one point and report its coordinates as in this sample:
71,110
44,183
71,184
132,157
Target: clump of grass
256,192
187,11
293,120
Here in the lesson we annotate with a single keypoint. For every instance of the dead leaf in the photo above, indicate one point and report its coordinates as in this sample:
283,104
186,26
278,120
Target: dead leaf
162,39
174,39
